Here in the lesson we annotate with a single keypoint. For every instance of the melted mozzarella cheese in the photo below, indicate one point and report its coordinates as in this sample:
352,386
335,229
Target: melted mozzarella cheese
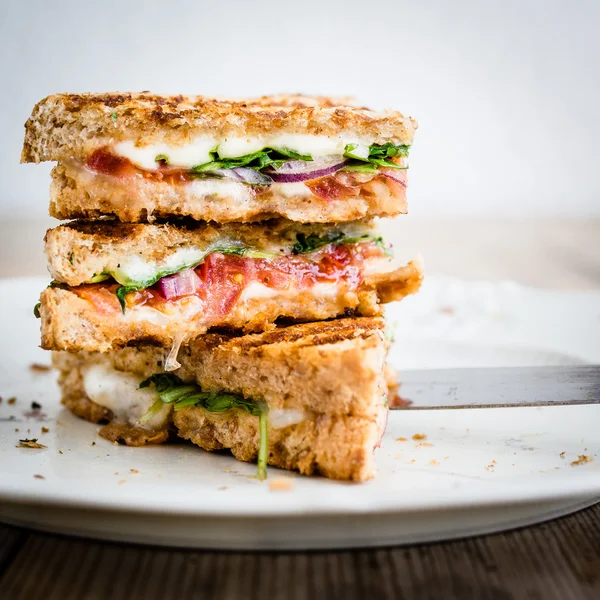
197,152
284,417
134,269
291,190
120,393
232,192
378,266
259,291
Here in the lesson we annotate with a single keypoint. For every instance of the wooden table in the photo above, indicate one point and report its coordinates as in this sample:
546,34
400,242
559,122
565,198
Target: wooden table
555,560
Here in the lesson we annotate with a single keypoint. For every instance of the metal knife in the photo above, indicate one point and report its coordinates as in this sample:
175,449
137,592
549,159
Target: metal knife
498,387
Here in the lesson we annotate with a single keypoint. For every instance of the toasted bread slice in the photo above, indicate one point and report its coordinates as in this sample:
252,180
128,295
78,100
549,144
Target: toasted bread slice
340,357
336,447
78,193
63,127
79,251
330,426
90,318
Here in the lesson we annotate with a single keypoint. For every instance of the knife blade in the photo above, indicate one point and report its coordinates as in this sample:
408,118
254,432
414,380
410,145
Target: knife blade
498,387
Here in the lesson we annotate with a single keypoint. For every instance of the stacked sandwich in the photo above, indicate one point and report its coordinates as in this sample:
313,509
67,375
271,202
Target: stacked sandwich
222,278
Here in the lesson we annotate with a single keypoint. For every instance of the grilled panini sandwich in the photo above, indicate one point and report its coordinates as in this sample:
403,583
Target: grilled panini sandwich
247,394
222,278
138,157
120,283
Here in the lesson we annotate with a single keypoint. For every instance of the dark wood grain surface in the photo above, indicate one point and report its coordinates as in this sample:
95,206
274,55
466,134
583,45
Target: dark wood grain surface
559,559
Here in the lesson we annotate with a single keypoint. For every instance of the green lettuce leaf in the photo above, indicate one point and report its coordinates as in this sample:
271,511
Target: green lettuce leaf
257,160
310,243
380,155
172,390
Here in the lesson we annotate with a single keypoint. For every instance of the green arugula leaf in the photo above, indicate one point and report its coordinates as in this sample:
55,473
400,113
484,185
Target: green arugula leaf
380,162
152,411
388,150
172,390
305,244
361,168
36,310
266,157
310,243
380,155
162,381
161,158
357,151
122,291
263,446
291,154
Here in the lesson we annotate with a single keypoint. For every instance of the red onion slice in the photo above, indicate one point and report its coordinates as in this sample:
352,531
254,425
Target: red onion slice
243,175
184,283
294,171
398,175
252,176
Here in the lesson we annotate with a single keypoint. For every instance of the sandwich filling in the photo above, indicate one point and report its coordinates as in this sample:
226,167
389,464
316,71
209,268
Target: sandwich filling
150,404
291,165
212,280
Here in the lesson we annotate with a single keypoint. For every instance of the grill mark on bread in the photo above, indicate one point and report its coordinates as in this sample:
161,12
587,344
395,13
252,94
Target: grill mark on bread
304,334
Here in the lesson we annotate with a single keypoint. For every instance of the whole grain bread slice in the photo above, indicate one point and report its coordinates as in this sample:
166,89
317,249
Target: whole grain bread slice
67,126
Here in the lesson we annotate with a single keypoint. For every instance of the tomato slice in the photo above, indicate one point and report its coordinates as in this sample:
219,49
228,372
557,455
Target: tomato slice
223,277
102,296
103,161
333,187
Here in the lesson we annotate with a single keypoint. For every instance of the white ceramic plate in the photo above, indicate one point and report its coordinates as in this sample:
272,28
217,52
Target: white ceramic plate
477,471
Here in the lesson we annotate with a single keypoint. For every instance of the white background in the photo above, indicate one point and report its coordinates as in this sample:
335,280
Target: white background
507,94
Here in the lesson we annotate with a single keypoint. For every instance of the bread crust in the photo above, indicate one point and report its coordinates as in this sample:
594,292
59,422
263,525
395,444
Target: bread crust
66,126
79,250
80,194
69,322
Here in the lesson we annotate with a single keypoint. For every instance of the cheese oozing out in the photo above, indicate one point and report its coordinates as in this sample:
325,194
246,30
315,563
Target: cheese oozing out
120,393
198,151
